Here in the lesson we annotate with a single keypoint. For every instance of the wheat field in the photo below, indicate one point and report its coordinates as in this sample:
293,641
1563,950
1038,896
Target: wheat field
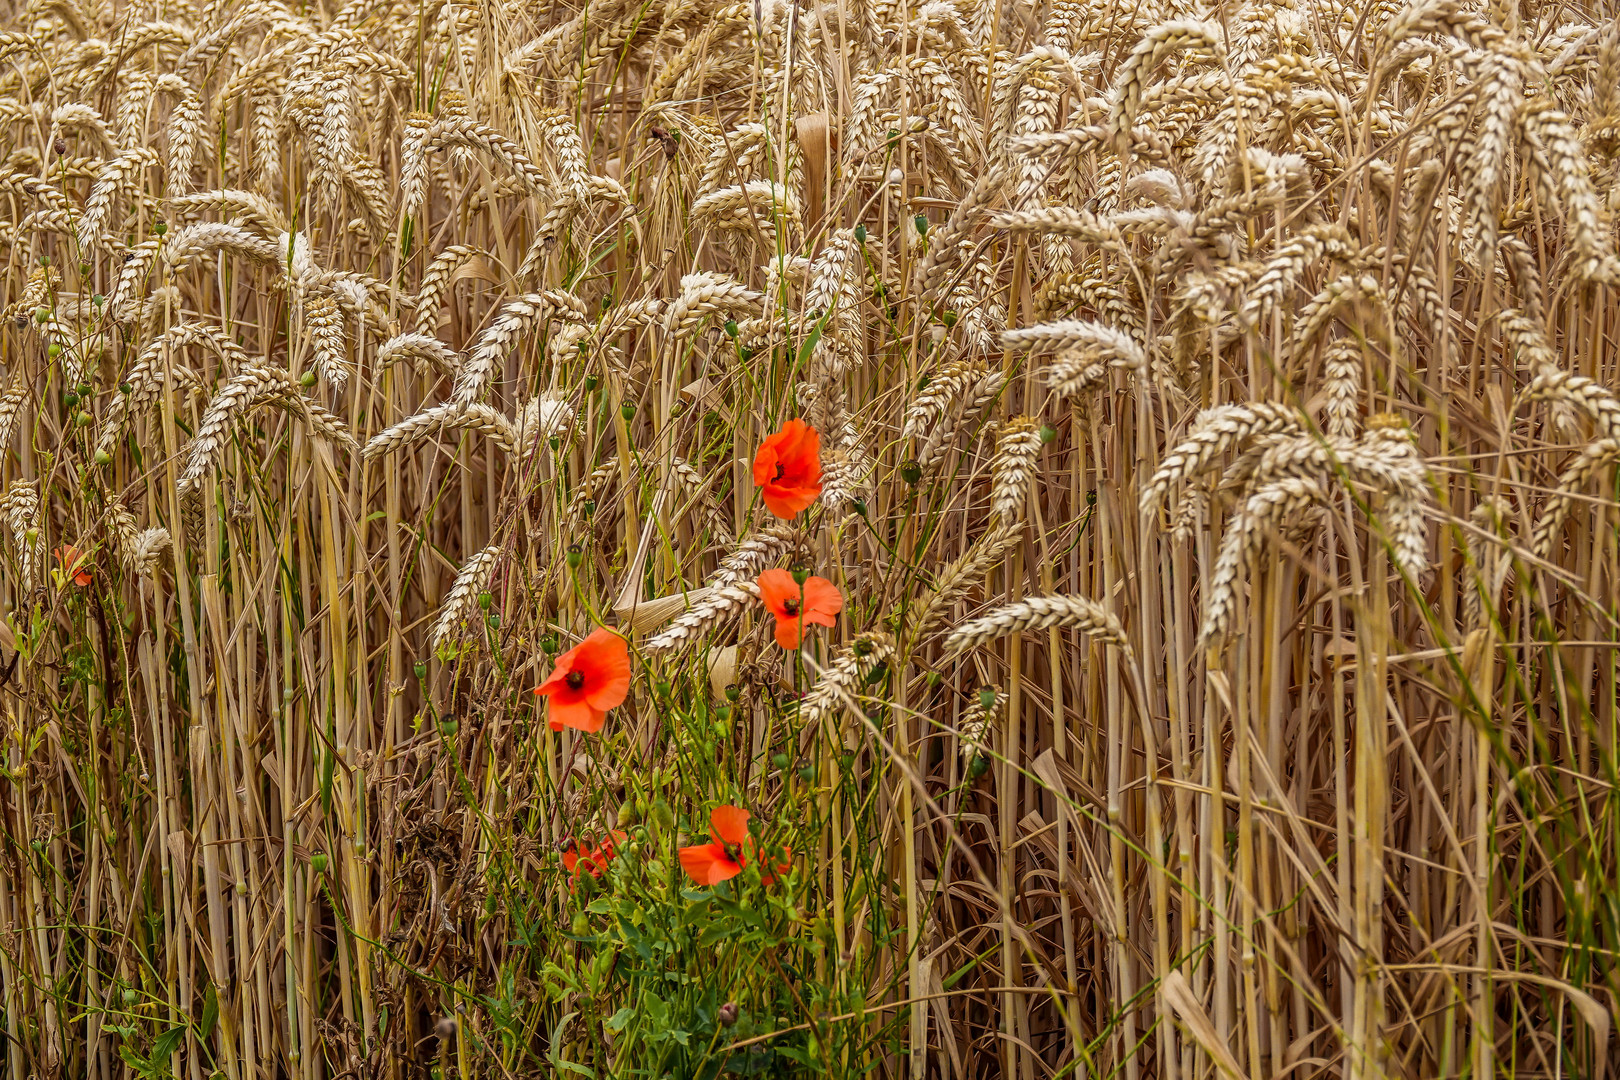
955,539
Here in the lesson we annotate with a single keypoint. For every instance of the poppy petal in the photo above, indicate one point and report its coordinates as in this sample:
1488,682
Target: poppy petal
729,824
775,588
789,634
821,597
576,714
605,659
707,864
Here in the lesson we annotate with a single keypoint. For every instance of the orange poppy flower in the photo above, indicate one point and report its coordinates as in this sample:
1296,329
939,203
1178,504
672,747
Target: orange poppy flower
787,468
587,681
594,860
74,563
795,606
728,851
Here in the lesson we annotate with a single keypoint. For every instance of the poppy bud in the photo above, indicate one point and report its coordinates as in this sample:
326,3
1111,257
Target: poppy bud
126,388
130,996
307,379
863,647
588,507
317,862
859,506
70,399
60,146
733,692
85,419
485,599
728,1014
808,774
879,672
987,698
781,761
949,319
421,670
158,229
84,389
98,300
663,818
978,766
42,315
574,556
662,687
731,329
860,234
44,260
53,350
1048,433
800,575
894,137
921,221
934,679
103,458
911,472
449,726
590,383
722,717
628,410
744,353
84,269
494,619
548,645
554,442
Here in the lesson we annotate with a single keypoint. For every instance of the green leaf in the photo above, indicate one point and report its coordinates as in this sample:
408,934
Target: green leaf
210,1015
165,1045
618,1020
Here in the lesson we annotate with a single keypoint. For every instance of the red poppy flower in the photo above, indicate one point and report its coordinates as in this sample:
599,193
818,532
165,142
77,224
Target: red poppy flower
728,851
722,858
594,860
787,468
74,563
588,680
795,606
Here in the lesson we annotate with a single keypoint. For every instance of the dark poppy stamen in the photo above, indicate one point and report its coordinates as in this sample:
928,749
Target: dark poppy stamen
779,471
574,679
733,852
790,606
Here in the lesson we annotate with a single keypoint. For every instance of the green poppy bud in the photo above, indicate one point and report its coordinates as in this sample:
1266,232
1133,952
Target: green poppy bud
103,458
781,761
808,774
70,399
978,766
911,472
485,599
934,679
130,996
949,319
590,383
733,692
42,315
126,388
987,698
494,620
588,507
449,726
421,671
317,862
575,556
921,221
628,410
860,234
800,575
85,419
307,379
548,645
158,228
1048,433
731,329
863,647
53,350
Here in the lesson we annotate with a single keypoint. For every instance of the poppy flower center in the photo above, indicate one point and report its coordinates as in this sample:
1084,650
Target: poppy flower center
791,607
732,852
779,471
574,679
